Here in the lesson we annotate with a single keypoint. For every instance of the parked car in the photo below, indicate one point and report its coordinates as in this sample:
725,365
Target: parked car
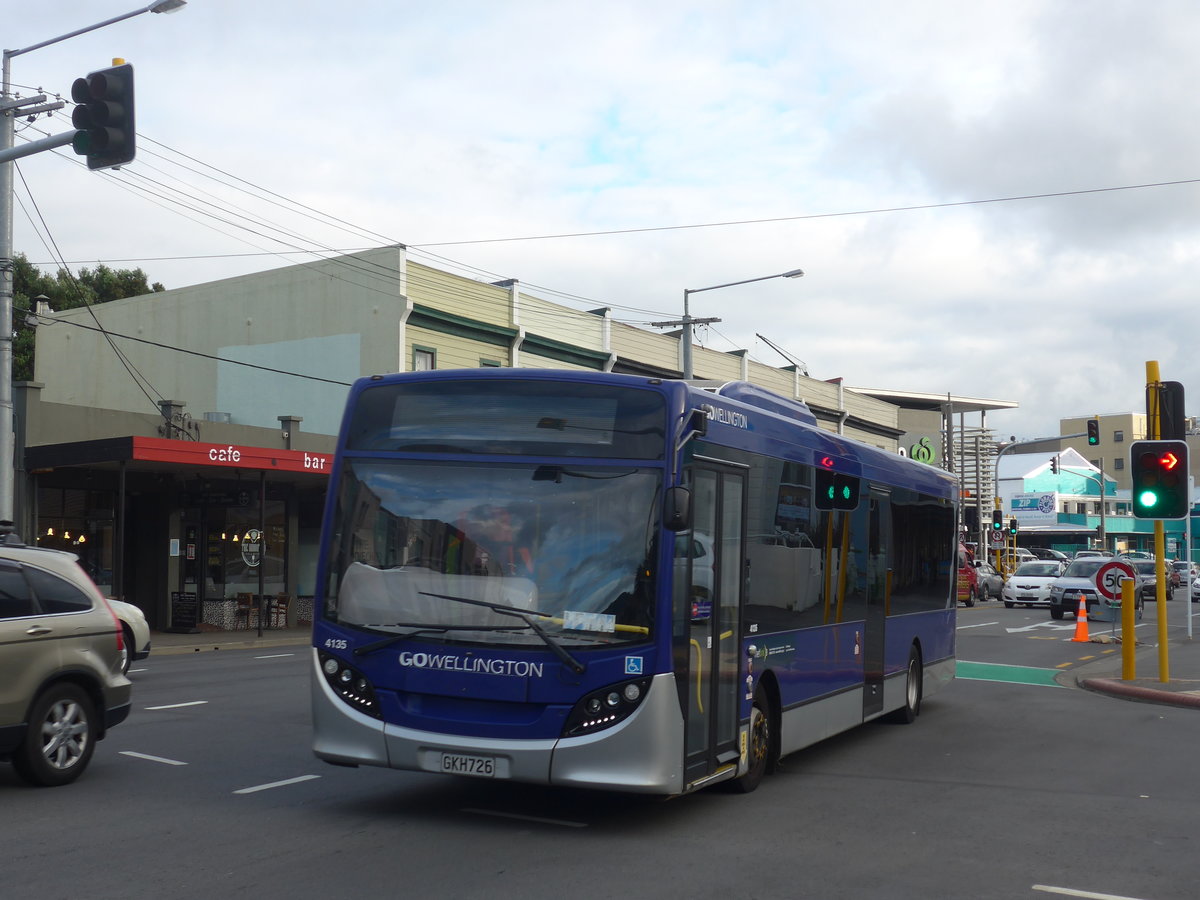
1196,590
1078,579
61,684
1081,554
967,588
1052,555
1030,584
1184,572
989,582
136,632
1147,578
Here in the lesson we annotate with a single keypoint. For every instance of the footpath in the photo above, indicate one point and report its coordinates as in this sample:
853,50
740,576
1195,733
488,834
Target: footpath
1180,688
1102,676
168,643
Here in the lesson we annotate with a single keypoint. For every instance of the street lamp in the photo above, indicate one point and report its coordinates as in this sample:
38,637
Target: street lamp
687,321
9,110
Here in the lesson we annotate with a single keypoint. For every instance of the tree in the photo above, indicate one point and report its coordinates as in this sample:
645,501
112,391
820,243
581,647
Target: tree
65,291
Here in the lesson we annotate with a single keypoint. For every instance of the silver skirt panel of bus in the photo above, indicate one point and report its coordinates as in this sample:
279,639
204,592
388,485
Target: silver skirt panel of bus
809,723
643,754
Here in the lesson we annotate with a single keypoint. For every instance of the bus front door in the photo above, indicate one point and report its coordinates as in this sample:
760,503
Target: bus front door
714,578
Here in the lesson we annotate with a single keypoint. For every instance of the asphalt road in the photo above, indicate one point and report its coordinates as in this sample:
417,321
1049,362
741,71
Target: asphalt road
1000,789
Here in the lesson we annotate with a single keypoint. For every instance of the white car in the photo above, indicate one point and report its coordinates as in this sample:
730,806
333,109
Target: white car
1030,584
136,632
1196,591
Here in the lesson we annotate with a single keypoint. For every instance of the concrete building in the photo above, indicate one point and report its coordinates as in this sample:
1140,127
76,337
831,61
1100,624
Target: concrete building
1078,507
162,429
942,430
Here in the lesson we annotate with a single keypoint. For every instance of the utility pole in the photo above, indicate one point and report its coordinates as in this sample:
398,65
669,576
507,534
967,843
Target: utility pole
10,108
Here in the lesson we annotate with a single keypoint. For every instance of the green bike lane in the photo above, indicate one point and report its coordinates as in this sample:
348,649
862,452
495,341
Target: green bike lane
1024,646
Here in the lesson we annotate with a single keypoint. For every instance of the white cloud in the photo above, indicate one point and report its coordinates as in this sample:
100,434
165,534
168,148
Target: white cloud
470,120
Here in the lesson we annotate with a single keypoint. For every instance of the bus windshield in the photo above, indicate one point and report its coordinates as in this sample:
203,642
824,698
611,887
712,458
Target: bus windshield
449,551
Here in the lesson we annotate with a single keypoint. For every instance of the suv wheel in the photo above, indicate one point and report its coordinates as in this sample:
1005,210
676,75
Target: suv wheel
60,739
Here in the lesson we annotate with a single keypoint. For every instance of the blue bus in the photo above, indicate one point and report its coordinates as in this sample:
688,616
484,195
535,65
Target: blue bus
618,582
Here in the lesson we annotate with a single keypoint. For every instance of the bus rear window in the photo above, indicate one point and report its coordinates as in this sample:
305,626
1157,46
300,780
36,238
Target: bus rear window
515,417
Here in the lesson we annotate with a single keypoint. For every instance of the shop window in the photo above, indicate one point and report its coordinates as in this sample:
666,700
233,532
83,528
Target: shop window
79,521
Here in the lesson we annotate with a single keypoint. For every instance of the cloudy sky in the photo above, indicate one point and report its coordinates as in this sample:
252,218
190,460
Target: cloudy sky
991,199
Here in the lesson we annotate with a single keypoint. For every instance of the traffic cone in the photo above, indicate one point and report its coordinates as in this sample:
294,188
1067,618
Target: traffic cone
1081,629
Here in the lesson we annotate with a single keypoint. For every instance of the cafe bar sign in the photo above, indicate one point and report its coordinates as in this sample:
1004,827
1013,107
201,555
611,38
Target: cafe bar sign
230,456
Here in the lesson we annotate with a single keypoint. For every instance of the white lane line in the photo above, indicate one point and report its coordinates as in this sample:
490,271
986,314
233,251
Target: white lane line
506,815
157,759
1069,892
275,656
179,705
275,784
980,625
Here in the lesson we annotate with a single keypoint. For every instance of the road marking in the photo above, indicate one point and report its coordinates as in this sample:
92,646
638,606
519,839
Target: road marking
1069,892
507,815
1038,625
179,705
275,784
157,759
275,656
978,671
980,625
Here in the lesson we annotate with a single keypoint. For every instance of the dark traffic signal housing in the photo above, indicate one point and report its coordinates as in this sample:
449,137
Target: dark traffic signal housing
104,116
1093,430
1012,526
997,520
836,490
1159,472
1054,465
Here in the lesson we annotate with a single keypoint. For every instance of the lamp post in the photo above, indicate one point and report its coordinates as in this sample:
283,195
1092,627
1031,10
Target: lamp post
687,321
9,110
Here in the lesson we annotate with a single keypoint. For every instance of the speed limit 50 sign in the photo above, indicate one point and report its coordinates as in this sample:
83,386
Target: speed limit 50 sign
1109,577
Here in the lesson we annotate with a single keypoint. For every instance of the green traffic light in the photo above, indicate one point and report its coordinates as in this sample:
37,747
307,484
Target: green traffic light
1147,499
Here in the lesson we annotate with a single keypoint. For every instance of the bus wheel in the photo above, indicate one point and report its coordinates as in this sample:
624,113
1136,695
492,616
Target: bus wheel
912,691
760,744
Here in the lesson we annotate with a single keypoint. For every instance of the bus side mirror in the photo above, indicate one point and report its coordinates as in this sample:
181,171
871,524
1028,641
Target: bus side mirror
678,514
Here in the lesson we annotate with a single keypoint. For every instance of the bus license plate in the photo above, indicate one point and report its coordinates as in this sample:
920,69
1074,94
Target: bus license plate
461,764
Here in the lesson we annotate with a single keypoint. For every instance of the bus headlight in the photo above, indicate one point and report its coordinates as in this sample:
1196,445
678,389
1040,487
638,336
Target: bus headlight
606,707
350,684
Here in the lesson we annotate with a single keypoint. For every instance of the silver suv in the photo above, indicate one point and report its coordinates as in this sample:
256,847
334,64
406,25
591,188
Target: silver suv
61,650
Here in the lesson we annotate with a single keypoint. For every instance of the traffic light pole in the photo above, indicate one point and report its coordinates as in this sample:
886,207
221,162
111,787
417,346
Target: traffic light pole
1154,424
10,108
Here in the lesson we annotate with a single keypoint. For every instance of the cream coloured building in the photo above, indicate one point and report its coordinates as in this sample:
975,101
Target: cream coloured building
161,428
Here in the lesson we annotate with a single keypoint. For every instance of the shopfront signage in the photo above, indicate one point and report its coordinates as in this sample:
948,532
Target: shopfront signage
252,547
922,449
230,456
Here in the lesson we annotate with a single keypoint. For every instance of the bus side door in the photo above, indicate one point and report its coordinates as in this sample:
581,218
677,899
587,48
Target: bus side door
715,577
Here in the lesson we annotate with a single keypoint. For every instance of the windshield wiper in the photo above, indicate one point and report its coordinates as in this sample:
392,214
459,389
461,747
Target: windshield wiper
524,615
419,629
